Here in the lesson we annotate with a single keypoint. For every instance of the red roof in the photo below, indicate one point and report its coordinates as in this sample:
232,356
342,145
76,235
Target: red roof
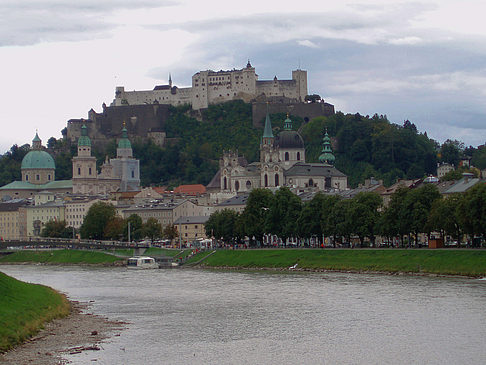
195,189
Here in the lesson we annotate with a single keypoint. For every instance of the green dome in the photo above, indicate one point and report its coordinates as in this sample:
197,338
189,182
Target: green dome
124,142
37,159
84,140
326,157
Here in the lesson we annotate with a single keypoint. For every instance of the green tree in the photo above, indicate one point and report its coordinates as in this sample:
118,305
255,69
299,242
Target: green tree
152,229
222,225
114,228
136,225
472,211
57,229
95,221
365,215
170,232
444,216
284,211
254,216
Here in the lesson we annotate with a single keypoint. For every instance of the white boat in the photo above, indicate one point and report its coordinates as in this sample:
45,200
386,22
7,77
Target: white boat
142,262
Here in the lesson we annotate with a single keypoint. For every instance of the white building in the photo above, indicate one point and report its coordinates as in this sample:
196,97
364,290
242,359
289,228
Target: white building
213,87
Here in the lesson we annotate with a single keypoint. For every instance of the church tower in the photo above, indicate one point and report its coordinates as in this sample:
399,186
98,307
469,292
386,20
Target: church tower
125,166
270,172
327,157
84,166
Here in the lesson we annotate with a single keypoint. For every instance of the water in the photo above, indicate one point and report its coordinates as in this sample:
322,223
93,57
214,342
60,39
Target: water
212,317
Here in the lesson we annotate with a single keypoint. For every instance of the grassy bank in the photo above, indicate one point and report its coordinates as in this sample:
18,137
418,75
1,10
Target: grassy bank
443,262
24,308
60,257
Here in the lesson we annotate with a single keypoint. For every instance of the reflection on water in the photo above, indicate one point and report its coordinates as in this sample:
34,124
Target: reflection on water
213,317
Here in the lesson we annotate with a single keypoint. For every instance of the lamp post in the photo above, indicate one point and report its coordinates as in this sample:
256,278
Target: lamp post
129,232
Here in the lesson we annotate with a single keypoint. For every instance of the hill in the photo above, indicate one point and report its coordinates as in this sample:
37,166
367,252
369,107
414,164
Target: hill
364,146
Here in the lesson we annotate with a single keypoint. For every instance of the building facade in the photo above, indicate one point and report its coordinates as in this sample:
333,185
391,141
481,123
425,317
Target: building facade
213,87
282,163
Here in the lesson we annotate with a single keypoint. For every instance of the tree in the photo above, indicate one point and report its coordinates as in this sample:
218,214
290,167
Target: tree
254,216
170,232
57,229
284,211
309,221
114,228
444,216
99,214
314,98
393,221
365,215
451,152
152,229
222,225
135,223
472,211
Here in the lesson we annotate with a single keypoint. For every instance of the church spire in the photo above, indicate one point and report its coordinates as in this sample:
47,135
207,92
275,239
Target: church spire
267,138
327,157
170,80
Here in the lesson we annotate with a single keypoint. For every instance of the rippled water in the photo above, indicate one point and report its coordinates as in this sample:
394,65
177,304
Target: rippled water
213,317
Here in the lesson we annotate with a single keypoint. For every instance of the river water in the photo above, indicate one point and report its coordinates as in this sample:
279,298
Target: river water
219,317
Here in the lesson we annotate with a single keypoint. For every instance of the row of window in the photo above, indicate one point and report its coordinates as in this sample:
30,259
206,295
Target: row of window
37,177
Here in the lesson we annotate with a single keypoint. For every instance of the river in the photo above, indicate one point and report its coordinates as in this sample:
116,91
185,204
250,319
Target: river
220,317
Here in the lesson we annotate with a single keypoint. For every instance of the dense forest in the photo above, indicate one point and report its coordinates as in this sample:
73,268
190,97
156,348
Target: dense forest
364,146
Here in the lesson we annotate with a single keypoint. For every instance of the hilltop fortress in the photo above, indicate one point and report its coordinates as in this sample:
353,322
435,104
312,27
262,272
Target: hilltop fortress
214,87
145,112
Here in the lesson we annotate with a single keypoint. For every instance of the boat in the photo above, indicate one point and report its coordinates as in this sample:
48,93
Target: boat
142,262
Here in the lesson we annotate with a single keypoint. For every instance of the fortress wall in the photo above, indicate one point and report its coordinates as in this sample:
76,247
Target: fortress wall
309,111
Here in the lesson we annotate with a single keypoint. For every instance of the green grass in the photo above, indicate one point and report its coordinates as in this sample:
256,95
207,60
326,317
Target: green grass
24,308
199,256
60,257
445,262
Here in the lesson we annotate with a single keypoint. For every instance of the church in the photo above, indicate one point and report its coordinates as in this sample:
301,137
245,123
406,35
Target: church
117,174
282,163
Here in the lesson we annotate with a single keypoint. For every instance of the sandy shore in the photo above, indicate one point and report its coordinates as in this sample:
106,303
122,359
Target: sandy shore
78,332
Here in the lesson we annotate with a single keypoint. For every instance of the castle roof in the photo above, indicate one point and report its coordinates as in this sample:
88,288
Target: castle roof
313,169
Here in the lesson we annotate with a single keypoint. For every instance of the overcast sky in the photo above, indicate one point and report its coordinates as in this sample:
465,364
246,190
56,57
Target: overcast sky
424,61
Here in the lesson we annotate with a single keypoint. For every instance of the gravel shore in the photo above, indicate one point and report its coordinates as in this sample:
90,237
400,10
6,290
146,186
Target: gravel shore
78,332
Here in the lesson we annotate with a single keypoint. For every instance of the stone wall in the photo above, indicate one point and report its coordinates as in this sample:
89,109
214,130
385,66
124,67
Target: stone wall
283,105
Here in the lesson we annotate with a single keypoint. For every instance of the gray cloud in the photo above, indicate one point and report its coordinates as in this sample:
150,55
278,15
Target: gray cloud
31,22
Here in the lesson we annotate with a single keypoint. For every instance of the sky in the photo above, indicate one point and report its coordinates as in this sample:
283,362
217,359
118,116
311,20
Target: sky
424,61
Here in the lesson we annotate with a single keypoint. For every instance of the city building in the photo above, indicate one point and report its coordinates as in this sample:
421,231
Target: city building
38,174
282,163
191,228
120,174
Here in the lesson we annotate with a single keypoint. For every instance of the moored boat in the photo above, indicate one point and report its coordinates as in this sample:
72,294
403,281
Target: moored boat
142,262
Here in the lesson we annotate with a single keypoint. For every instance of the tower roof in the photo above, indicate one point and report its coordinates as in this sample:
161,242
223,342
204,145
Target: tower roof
37,159
288,123
267,132
327,157
124,142
84,140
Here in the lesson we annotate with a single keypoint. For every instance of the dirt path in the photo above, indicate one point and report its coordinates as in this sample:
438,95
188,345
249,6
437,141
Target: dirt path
78,332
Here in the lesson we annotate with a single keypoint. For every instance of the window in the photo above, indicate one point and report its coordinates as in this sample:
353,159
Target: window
248,184
266,181
298,156
286,156
37,177
49,177
89,171
225,183
276,180
26,177
237,185
79,170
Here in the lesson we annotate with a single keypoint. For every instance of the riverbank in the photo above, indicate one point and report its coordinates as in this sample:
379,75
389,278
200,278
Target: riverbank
38,325
79,332
64,257
471,263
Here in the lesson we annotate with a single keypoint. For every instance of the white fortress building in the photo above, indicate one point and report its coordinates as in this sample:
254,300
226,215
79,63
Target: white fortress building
211,87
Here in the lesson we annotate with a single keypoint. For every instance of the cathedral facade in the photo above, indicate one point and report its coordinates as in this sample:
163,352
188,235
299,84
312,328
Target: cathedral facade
117,174
282,163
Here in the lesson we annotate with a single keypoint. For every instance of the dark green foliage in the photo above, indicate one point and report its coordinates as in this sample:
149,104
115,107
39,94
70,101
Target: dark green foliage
284,211
152,229
366,147
222,225
98,216
10,164
57,229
